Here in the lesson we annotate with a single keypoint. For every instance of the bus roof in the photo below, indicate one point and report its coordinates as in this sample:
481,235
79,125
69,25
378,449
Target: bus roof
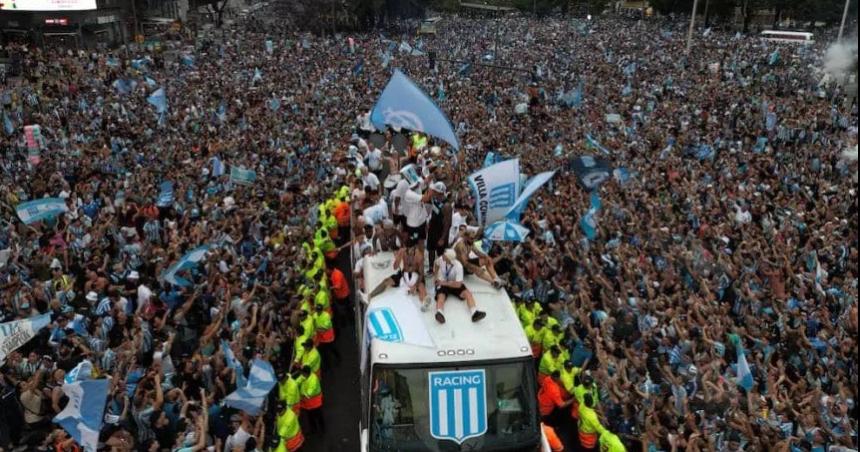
498,336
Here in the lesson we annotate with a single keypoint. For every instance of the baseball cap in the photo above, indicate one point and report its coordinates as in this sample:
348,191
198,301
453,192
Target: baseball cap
439,187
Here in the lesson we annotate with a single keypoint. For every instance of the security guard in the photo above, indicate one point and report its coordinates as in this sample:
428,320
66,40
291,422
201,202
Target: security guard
549,362
610,442
534,333
311,357
552,337
288,391
289,430
549,396
590,428
312,399
568,375
528,311
583,384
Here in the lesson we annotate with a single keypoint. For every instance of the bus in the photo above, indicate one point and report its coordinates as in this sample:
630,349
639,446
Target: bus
436,387
796,37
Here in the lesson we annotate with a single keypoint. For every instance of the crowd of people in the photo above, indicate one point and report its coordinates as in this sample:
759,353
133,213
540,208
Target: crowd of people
733,236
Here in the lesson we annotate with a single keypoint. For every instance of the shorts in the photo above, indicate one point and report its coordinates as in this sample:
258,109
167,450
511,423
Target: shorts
455,291
400,220
397,277
416,235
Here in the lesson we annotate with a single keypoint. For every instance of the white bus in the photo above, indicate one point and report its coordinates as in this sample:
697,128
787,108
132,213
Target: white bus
439,387
797,37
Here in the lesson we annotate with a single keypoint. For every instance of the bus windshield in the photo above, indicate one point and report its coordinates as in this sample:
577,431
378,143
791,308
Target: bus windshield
401,409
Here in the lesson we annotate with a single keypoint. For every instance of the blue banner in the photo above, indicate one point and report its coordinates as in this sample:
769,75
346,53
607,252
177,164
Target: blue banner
186,262
403,105
165,194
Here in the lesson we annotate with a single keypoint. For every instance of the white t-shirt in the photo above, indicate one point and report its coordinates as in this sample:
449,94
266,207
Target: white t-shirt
449,272
374,159
398,193
413,208
454,233
370,180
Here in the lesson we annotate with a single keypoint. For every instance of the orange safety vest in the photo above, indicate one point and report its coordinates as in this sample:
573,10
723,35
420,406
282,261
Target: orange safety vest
552,438
587,440
325,337
549,396
296,442
312,403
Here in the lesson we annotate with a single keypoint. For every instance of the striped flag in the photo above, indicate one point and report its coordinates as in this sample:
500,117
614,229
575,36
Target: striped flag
35,211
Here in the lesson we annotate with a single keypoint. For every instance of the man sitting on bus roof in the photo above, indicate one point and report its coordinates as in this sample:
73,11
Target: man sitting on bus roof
449,281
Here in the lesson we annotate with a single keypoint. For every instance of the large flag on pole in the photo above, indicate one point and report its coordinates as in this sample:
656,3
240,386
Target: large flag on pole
403,105
745,377
495,189
82,416
252,395
535,183
19,332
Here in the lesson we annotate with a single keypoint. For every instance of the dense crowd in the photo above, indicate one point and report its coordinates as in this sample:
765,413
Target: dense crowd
736,233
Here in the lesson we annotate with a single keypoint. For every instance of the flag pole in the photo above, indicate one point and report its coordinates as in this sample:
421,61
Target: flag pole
692,26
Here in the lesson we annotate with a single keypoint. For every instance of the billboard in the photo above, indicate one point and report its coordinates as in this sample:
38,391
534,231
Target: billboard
47,5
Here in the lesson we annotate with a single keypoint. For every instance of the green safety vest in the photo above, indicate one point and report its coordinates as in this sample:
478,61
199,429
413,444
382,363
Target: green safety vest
610,442
311,386
288,424
312,359
288,391
548,364
322,320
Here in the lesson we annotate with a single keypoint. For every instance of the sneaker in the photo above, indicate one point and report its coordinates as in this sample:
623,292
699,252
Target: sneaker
425,306
478,315
497,284
441,318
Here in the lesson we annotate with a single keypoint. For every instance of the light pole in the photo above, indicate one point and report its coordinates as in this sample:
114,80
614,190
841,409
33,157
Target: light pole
692,25
844,17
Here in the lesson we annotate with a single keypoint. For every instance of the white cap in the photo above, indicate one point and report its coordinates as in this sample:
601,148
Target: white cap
439,187
133,275
56,263
92,296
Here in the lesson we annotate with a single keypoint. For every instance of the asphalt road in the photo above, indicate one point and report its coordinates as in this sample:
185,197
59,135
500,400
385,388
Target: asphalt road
340,381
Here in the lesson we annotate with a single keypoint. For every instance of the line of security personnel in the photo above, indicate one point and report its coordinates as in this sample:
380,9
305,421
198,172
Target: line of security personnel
300,388
564,387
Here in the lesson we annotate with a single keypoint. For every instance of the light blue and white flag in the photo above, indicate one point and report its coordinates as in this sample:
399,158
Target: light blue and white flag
760,145
773,58
233,363
217,167
495,190
403,105
588,224
744,375
532,186
630,69
83,371
166,195
594,144
124,86
490,159
458,404
17,333
270,46
8,125
158,99
595,201
621,175
506,230
187,261
258,76
82,417
242,176
150,82
40,209
251,396
274,104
